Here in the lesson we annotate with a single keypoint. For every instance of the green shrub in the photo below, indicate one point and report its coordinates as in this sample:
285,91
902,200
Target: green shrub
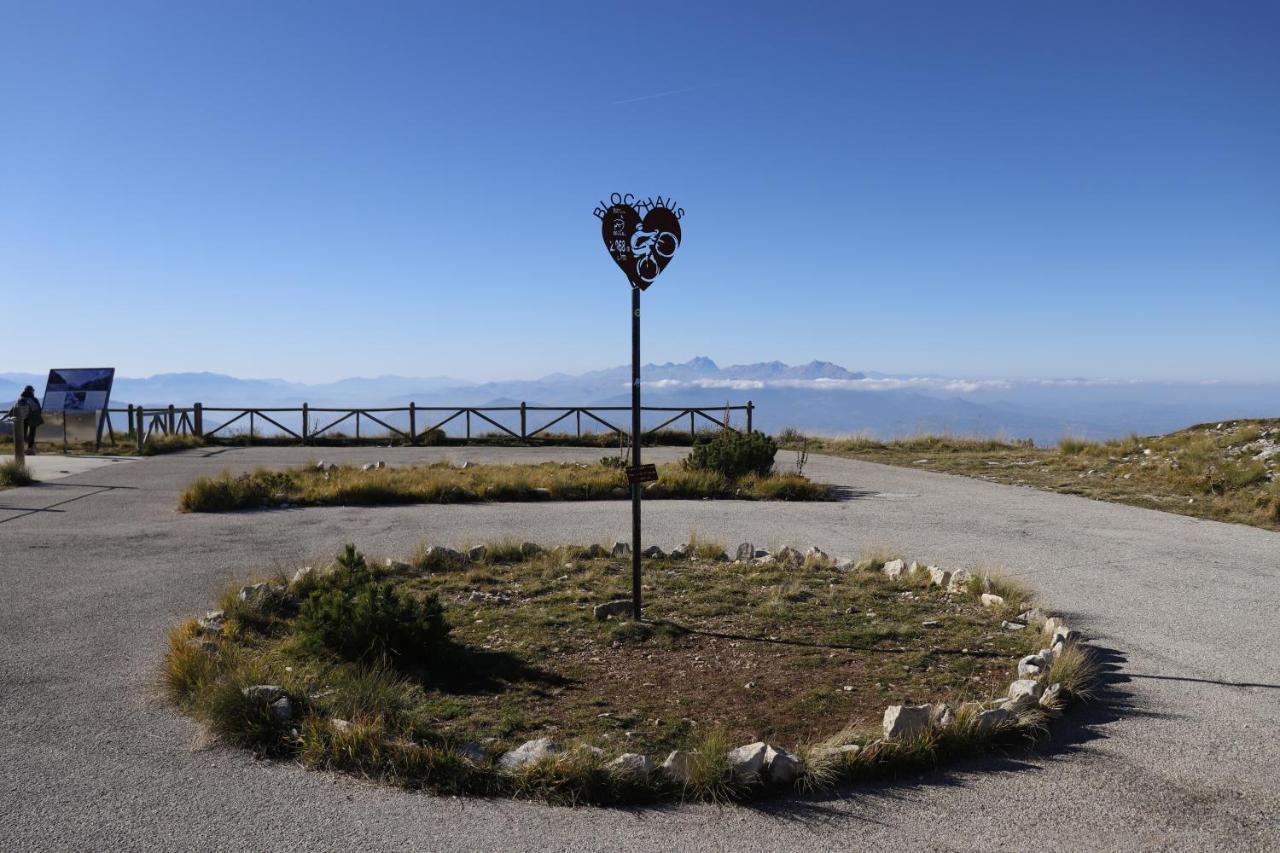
359,618
734,454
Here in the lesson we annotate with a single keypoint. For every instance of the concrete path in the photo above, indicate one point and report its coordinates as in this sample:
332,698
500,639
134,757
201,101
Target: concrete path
95,567
54,466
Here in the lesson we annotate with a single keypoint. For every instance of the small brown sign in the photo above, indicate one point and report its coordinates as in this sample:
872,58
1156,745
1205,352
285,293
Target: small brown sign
642,474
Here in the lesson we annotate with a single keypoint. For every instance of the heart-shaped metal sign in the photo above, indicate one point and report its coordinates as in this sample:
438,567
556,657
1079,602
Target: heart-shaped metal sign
641,246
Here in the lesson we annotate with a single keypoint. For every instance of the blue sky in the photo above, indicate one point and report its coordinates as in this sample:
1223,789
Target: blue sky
319,190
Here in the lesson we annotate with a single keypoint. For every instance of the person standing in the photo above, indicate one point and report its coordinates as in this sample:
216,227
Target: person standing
33,417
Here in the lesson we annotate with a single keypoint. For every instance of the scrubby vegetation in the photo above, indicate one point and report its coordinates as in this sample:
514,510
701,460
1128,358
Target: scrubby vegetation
446,483
13,475
503,647
1226,472
733,454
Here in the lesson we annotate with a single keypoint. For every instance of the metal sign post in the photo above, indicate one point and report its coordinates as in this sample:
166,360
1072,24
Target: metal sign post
20,434
642,236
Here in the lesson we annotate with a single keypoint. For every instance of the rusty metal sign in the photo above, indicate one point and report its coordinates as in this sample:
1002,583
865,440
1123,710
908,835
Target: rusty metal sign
641,236
642,474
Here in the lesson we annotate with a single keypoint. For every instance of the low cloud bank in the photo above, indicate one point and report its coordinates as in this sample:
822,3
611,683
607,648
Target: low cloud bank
918,383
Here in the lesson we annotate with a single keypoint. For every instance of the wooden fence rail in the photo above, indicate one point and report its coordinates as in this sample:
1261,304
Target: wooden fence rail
319,421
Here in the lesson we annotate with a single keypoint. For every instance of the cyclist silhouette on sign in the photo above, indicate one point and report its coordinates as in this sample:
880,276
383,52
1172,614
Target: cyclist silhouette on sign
646,244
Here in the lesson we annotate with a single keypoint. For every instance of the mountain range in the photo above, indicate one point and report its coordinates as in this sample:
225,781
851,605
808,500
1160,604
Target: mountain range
819,397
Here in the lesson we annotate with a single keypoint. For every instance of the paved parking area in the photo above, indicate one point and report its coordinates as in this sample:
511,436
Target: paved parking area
95,565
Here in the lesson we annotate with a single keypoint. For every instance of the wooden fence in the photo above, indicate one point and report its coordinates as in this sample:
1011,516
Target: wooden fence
320,422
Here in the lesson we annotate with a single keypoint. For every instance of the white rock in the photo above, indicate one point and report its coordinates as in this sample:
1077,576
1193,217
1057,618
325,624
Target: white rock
988,720
477,554
397,565
1064,636
1051,624
368,466
906,720
439,555
939,577
914,567
212,621
816,553
380,464
1013,626
1048,655
959,581
252,593
746,762
1031,666
941,715
620,549
302,574
894,568
746,551
783,767
766,560
680,552
990,599
618,607
789,555
1032,616
1026,687
528,752
631,764
846,564
1049,698
265,692
676,766
339,725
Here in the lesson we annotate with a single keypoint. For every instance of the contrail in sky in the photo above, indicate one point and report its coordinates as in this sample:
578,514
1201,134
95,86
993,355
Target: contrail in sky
665,94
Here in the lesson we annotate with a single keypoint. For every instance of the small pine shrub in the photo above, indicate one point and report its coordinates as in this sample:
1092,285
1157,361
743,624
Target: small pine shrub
358,618
734,454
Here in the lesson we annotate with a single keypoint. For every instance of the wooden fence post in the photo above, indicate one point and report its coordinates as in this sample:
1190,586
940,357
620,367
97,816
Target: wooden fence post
413,423
468,424
142,427
251,426
750,407
522,420
579,414
693,430
198,426
304,423
129,428
173,421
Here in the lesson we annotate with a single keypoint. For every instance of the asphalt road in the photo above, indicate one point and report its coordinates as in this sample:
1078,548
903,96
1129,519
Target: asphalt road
94,567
